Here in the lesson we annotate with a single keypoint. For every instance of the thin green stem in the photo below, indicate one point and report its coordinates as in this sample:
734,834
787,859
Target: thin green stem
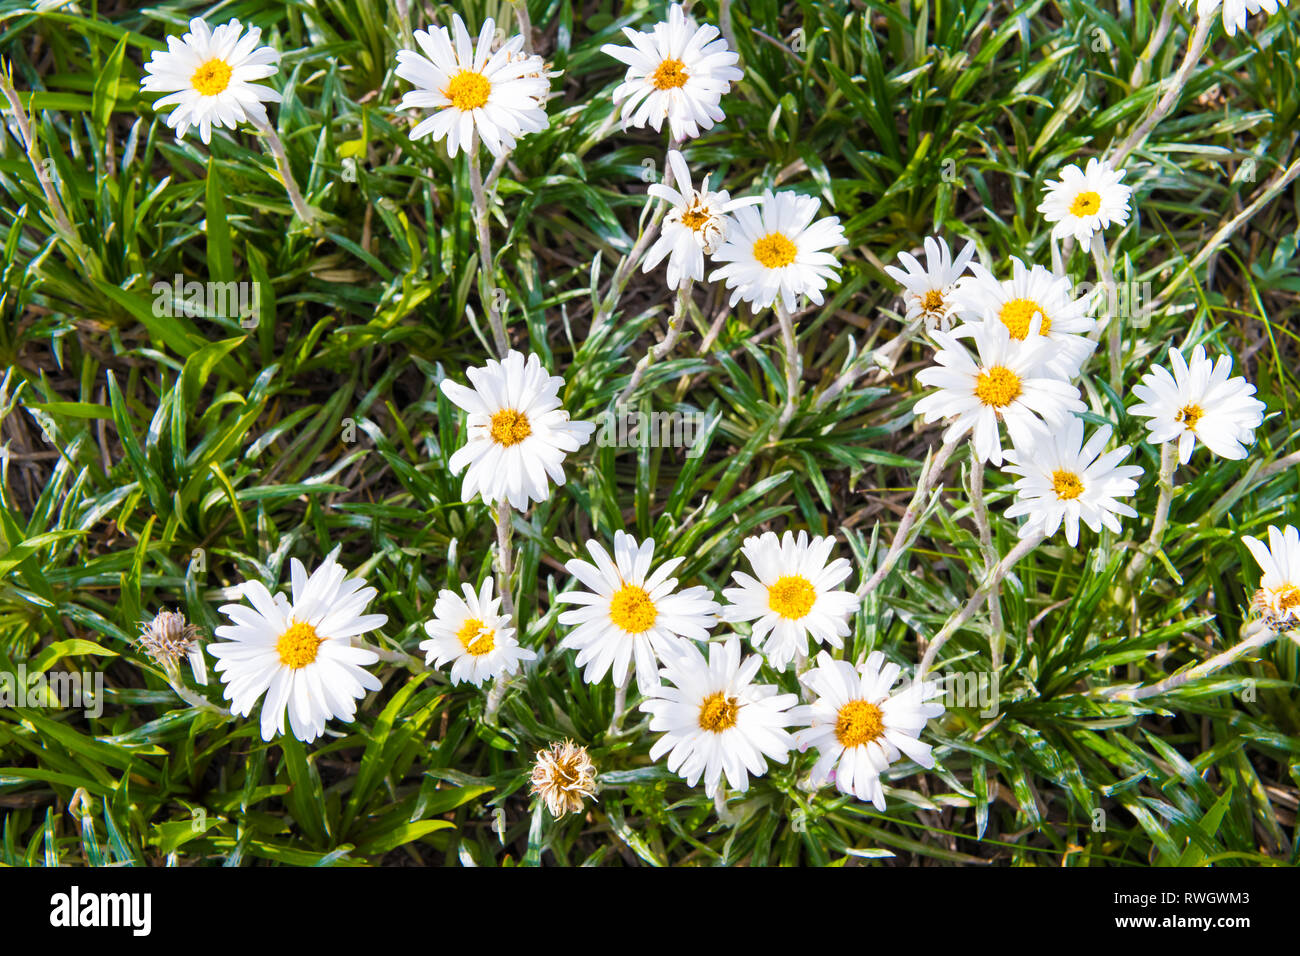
282,166
981,595
793,364
487,289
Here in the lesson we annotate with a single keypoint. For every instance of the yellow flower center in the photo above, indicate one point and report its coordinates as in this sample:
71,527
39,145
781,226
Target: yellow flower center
1085,204
1017,313
858,722
298,645
211,77
1287,597
669,75
476,637
468,90
998,387
932,301
632,610
510,427
792,596
1067,485
1189,415
775,251
718,712
694,219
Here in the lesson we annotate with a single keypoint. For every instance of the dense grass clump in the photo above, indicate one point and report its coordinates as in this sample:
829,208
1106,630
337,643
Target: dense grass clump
156,461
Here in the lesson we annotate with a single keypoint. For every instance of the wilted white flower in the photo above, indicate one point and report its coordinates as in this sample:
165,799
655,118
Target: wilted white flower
695,225
563,776
168,638
929,291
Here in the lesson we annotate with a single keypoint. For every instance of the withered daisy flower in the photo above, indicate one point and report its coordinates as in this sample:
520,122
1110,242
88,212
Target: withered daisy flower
563,776
167,638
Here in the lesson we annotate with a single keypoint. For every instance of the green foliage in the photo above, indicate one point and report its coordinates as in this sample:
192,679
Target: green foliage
157,461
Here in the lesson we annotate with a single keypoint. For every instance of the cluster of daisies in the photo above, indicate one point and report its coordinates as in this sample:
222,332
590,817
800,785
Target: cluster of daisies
300,656
1008,351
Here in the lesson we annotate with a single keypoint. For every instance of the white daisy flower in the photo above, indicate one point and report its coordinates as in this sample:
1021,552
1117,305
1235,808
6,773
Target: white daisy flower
1234,11
471,634
1030,292
1003,382
1279,585
518,432
678,72
793,597
715,720
1199,401
1084,201
630,615
929,291
695,224
210,76
775,249
298,652
500,94
1064,480
858,727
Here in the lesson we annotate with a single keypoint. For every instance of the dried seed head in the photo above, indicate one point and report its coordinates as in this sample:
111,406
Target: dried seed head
562,776
168,638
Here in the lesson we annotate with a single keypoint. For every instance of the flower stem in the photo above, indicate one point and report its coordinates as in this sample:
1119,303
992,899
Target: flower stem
487,292
930,474
495,696
663,348
1165,481
986,588
981,515
1259,634
525,23
505,558
1139,75
793,365
62,223
282,166
620,703
626,265
1106,276
190,697
1173,90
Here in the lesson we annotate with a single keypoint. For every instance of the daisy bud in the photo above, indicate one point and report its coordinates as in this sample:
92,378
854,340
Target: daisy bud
563,776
